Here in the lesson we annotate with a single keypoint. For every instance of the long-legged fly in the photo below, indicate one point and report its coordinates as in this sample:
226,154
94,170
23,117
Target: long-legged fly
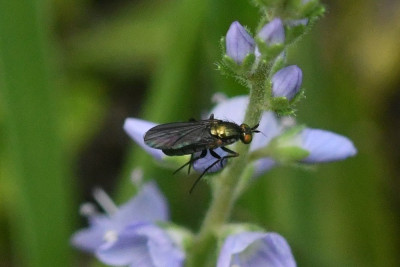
188,138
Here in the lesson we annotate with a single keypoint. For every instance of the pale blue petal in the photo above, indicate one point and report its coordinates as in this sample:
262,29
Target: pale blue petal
232,109
129,248
235,244
238,42
165,253
287,82
142,245
201,164
149,205
90,238
256,249
136,128
269,128
273,32
325,146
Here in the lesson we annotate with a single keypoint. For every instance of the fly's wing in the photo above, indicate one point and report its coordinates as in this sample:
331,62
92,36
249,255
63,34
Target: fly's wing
178,135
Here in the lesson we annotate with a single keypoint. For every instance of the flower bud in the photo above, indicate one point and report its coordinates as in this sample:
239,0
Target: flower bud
273,32
238,42
286,82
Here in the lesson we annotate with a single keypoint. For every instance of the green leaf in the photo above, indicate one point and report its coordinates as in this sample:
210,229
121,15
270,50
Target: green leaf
281,106
294,32
268,52
231,64
247,63
289,154
312,9
41,208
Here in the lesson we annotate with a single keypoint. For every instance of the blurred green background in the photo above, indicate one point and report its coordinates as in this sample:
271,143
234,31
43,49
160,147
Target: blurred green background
72,71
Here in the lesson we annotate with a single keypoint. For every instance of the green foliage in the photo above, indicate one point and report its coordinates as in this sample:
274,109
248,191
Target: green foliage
40,213
294,32
269,52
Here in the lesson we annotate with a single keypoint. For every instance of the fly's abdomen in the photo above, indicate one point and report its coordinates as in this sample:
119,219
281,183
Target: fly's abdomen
185,150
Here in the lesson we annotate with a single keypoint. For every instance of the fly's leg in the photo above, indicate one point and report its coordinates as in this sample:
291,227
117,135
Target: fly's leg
192,159
219,159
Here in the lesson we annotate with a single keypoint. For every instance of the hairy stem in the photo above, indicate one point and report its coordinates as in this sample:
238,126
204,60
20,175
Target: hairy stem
224,195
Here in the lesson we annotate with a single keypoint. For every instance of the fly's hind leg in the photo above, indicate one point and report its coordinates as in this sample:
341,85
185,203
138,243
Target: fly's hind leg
219,160
190,162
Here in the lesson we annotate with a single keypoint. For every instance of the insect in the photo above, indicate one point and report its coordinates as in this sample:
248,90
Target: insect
189,138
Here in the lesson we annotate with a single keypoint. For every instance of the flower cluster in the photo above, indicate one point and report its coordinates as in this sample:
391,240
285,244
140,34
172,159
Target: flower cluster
240,44
138,233
247,58
130,236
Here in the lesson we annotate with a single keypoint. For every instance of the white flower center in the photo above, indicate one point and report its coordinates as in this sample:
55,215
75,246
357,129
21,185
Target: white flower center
110,236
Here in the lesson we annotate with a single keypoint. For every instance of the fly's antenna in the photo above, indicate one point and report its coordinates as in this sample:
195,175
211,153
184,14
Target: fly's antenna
254,129
261,133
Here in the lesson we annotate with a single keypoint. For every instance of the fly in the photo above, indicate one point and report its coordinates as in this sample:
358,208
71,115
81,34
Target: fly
188,138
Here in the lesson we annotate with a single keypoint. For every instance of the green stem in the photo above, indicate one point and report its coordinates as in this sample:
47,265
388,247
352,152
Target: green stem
224,195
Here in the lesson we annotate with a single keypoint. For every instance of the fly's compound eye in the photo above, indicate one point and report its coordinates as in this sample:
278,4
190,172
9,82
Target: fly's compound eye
246,135
246,138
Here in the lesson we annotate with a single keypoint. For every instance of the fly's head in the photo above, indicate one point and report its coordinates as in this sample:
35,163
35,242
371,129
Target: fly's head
247,133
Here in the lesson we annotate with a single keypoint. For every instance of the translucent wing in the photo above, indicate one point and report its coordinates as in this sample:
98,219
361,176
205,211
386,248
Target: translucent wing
186,136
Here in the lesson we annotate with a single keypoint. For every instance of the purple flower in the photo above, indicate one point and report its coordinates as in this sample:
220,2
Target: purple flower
272,32
136,128
256,249
238,42
323,146
286,82
131,228
201,164
141,245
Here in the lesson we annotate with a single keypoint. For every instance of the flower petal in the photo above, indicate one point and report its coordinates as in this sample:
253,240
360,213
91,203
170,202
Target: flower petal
325,146
287,81
273,32
269,128
256,249
149,205
202,164
232,109
128,248
136,128
90,238
141,245
238,42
